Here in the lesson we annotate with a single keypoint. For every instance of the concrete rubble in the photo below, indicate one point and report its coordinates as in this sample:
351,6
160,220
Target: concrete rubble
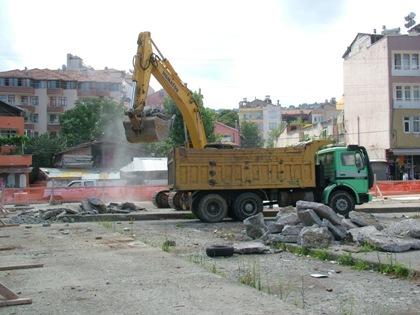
315,225
90,206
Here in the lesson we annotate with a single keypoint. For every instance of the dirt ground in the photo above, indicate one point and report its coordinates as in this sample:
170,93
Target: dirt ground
161,267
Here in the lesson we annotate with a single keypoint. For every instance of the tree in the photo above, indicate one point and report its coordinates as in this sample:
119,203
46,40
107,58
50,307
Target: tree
274,133
228,117
251,135
93,118
43,150
177,135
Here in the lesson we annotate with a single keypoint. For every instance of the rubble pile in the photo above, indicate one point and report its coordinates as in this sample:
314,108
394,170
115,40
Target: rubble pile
315,225
90,206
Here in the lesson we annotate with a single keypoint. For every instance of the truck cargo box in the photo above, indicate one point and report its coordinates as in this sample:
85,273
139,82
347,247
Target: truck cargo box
216,169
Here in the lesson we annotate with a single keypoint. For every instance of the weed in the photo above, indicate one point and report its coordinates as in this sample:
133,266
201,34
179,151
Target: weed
280,246
251,276
165,246
301,251
283,289
348,309
190,216
321,254
359,264
214,269
346,260
366,247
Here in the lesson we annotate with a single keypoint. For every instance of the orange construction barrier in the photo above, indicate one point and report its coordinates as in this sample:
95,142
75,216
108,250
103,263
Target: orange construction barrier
397,187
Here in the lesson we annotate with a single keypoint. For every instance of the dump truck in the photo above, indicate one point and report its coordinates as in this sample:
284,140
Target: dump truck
219,180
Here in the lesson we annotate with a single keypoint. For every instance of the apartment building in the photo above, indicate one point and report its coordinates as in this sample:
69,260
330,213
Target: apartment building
46,94
15,166
264,114
382,101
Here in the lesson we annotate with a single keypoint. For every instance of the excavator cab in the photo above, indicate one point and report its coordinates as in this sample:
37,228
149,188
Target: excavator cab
149,128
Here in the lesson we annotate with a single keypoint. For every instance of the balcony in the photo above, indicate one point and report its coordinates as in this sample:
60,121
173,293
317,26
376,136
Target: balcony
15,160
53,127
26,106
56,109
29,125
56,91
17,90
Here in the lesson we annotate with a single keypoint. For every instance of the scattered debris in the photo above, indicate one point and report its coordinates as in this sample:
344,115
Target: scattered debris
91,206
315,225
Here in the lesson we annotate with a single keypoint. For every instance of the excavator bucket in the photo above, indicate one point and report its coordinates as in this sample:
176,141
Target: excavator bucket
154,128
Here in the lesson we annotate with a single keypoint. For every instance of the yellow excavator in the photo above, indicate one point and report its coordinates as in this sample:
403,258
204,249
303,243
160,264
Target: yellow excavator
143,125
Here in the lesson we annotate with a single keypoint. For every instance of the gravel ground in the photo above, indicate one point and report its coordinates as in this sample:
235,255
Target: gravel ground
288,276
284,275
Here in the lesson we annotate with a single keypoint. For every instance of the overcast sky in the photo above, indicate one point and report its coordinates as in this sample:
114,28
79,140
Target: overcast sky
289,49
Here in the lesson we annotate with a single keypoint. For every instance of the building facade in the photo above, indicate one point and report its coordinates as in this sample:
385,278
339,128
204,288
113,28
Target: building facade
264,114
382,101
46,94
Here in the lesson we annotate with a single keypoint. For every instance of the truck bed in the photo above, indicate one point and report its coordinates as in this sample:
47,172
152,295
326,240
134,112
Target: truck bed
224,169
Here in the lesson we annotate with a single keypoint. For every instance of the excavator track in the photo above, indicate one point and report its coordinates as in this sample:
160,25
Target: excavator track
160,199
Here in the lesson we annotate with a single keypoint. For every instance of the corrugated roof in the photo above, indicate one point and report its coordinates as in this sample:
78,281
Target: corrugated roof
146,164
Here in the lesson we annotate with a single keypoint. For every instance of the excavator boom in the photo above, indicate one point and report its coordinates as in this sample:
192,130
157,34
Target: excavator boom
143,126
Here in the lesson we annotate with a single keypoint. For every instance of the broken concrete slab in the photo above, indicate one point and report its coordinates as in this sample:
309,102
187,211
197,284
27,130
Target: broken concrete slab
364,219
315,237
251,248
323,211
280,238
338,231
405,228
255,226
309,217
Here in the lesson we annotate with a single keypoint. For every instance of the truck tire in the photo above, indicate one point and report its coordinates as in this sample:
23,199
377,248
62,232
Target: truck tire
160,199
174,200
212,208
342,202
220,250
247,205
194,201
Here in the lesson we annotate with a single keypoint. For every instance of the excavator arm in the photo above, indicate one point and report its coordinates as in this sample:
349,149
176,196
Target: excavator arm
155,126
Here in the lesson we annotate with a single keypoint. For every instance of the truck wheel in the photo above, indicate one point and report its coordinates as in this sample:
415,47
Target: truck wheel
174,201
160,199
247,205
219,250
212,208
194,206
342,202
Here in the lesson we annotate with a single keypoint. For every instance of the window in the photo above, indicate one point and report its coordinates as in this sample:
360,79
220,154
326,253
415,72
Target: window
415,61
272,114
70,85
7,133
406,61
35,118
54,119
397,61
2,82
84,86
53,101
39,84
406,124
25,100
416,124
34,100
272,126
407,93
63,101
11,99
416,93
102,86
399,93
52,84
3,98
26,82
116,87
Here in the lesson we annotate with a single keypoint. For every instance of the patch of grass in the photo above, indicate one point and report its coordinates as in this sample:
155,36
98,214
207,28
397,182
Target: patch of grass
190,216
251,275
346,260
321,254
359,264
366,247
